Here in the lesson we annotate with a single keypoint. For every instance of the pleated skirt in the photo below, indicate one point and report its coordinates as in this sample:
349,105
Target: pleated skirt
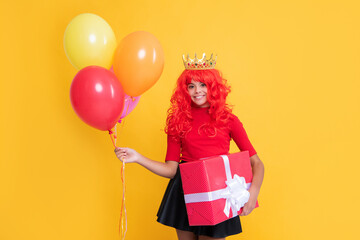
172,212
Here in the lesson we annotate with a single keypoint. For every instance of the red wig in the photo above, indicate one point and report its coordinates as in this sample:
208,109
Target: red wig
178,122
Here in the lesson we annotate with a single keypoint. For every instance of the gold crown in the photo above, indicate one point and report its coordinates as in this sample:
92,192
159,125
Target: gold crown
199,64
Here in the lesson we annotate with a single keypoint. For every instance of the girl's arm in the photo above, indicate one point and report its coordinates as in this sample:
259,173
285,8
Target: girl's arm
258,176
165,169
241,139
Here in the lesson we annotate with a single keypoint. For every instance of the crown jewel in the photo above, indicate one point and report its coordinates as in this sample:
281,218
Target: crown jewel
199,64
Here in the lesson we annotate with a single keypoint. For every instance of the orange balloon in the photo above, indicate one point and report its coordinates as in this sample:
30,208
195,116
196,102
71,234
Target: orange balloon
138,62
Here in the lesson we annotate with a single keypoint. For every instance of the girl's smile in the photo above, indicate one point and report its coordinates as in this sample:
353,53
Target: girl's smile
198,94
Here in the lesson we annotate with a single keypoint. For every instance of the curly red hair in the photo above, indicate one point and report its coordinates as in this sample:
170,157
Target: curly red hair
178,122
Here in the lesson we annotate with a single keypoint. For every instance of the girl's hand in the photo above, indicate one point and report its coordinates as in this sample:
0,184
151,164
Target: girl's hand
250,205
127,155
258,175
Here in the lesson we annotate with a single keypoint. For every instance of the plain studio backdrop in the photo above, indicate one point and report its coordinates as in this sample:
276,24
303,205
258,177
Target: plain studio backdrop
294,71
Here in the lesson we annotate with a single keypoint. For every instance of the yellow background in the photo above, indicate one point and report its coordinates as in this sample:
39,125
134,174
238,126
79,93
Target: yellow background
294,71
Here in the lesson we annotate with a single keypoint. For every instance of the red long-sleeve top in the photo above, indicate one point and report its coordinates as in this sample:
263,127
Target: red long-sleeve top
197,145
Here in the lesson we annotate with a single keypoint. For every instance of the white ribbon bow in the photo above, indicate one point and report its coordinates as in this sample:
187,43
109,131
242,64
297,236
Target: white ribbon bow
235,194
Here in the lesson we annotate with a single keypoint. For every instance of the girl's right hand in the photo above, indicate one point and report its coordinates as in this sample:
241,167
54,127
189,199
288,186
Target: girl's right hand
164,169
127,155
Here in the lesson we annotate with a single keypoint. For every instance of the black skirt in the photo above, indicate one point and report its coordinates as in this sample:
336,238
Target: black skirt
172,212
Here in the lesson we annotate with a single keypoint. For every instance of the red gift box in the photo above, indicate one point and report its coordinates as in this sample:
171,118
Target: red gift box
215,189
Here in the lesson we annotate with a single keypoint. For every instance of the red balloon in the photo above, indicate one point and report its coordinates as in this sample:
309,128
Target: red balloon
97,97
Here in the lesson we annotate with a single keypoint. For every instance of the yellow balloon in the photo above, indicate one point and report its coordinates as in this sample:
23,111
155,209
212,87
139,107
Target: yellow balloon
89,40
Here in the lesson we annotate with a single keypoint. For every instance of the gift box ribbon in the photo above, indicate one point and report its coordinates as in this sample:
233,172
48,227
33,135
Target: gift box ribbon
235,193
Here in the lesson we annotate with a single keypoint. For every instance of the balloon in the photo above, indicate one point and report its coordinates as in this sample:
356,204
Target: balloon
138,62
89,40
97,97
129,105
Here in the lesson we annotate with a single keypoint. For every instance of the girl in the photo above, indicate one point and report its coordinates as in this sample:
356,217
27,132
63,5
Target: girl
199,125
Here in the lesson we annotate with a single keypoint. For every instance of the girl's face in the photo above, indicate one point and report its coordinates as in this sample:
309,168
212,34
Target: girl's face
198,94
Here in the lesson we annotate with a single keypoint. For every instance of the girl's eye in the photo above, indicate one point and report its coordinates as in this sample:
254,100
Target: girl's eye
190,86
203,85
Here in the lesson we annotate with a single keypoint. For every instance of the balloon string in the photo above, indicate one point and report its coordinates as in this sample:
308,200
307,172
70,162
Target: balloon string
111,137
123,206
123,215
115,135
